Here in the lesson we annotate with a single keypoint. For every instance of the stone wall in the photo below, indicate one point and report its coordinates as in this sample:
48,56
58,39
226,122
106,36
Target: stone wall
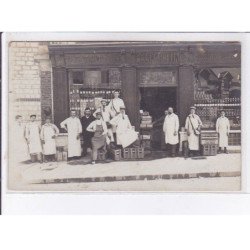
29,69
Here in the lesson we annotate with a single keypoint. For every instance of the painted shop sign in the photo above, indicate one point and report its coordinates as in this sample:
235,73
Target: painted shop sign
116,59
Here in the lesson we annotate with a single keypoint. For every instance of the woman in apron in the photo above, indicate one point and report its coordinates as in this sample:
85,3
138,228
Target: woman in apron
98,141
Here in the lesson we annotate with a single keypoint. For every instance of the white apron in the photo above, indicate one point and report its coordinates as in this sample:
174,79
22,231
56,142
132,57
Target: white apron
124,132
74,128
114,106
20,150
48,131
223,127
193,139
33,135
171,125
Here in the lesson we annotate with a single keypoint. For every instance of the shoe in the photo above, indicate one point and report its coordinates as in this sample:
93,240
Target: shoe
41,162
93,162
225,151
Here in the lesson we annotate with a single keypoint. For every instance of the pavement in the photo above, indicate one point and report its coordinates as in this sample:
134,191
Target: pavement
158,172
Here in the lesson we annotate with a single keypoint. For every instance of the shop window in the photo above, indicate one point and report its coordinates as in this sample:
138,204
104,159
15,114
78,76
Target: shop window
114,77
218,89
92,77
77,77
156,78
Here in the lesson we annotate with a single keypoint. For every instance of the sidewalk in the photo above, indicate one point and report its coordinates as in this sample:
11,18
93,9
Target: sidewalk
221,165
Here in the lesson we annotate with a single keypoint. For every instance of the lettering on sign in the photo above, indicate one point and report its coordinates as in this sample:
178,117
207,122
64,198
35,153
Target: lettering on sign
161,57
92,59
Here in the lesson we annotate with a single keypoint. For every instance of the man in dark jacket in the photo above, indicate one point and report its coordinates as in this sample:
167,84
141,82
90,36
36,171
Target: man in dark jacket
86,120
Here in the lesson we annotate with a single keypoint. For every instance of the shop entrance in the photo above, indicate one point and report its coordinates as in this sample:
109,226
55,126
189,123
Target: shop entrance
156,100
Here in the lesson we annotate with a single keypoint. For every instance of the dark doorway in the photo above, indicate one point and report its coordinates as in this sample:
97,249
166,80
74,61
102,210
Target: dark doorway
156,100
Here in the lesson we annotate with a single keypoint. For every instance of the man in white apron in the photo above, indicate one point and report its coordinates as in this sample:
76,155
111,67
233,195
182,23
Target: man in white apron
171,128
48,134
20,150
74,128
114,108
223,129
105,116
124,131
32,134
115,104
193,126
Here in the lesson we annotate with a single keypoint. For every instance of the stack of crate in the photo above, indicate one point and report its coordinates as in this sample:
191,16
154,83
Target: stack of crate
146,127
209,143
61,154
133,153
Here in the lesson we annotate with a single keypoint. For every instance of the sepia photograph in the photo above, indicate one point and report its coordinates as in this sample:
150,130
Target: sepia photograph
155,116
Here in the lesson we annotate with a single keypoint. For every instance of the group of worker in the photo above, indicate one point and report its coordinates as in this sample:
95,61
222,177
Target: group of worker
108,126
193,127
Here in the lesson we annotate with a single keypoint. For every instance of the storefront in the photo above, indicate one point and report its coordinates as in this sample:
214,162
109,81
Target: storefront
151,76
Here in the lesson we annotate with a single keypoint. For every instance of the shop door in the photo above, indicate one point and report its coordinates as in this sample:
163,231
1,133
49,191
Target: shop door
156,100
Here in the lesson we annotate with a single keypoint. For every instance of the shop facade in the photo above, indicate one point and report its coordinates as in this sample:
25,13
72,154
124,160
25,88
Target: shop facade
151,77
51,78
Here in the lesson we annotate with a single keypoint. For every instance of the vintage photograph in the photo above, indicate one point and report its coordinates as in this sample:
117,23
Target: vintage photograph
124,116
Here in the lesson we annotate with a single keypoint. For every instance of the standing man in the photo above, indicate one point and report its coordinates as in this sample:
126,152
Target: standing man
171,128
124,132
223,128
74,128
115,104
99,128
20,150
87,135
32,134
48,134
193,127
105,116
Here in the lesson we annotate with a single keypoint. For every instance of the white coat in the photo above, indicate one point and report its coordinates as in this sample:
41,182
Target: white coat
32,133
193,139
124,132
114,106
47,133
223,128
74,128
170,126
20,150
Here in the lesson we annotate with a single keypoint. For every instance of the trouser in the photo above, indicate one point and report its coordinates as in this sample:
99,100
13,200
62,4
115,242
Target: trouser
171,149
86,143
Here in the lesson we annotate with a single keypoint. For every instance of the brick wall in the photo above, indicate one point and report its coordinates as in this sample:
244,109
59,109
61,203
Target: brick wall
29,69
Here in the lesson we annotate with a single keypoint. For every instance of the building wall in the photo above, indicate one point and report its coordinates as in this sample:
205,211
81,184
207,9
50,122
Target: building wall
29,79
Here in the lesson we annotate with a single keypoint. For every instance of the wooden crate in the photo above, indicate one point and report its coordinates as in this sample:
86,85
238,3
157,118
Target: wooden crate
146,144
140,153
213,149
101,155
209,141
126,153
133,153
209,150
115,154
